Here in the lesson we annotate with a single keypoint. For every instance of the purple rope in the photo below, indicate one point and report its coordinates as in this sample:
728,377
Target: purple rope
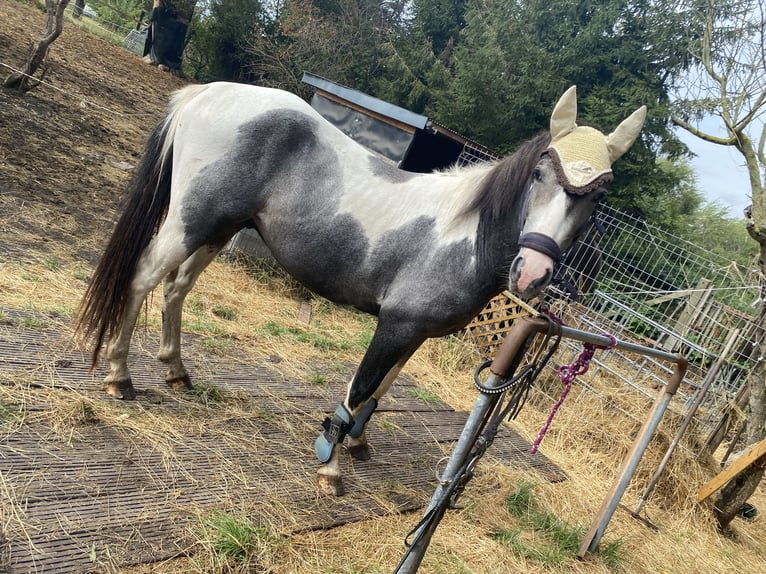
567,374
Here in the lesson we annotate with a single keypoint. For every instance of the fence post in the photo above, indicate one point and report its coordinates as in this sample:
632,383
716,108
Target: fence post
709,378
593,537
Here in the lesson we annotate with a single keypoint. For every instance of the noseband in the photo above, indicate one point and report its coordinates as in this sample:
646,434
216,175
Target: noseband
542,243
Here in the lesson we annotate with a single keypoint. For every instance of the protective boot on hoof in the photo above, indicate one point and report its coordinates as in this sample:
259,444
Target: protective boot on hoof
330,485
335,430
121,390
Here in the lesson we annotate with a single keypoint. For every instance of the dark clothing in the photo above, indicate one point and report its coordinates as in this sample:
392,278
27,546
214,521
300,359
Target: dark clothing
165,38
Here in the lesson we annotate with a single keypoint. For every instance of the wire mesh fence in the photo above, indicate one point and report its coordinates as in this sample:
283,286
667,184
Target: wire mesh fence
643,284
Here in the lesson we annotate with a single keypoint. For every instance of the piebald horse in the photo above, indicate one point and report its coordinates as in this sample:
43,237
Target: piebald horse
422,252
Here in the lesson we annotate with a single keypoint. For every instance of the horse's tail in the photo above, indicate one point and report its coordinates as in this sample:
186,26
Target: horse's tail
145,205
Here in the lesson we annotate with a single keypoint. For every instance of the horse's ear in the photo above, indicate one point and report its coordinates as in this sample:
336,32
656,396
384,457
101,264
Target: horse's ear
620,140
564,114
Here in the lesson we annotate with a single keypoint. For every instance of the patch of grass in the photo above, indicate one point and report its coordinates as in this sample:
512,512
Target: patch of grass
7,413
95,28
519,501
555,542
199,325
216,345
52,264
318,379
275,329
424,395
207,394
224,312
321,341
339,368
235,544
81,275
194,305
31,323
364,338
611,554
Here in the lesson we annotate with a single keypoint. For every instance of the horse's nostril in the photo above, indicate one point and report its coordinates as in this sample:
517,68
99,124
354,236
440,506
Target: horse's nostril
516,266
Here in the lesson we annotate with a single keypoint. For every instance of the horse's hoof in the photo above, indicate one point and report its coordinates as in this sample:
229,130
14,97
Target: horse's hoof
330,485
121,390
360,451
182,383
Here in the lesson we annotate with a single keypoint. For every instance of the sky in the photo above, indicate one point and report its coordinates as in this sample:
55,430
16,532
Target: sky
721,174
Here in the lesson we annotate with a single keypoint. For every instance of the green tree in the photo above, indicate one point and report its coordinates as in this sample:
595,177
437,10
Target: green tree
410,71
339,40
220,37
514,59
440,21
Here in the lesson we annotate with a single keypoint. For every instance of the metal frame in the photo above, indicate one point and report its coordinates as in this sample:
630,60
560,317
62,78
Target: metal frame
506,361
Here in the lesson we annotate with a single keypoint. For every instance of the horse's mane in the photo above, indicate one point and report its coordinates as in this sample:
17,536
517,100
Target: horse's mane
498,201
502,186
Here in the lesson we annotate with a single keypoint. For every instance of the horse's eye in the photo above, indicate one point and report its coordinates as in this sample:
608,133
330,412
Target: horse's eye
537,174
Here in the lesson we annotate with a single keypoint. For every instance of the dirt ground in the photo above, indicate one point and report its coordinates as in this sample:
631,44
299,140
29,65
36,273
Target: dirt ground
64,145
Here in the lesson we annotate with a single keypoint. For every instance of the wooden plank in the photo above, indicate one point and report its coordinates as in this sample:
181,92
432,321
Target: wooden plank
756,452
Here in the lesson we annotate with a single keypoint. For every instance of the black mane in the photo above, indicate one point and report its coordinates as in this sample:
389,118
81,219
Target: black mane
499,204
502,187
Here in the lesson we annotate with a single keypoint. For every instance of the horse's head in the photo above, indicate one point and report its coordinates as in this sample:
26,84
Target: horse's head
565,186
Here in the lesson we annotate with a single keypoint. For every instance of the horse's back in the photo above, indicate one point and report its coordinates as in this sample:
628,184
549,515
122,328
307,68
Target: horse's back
337,217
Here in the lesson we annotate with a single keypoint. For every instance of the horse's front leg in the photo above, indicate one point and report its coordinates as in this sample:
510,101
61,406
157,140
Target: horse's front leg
357,442
389,350
176,287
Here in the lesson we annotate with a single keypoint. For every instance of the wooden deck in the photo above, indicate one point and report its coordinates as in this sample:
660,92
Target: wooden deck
106,484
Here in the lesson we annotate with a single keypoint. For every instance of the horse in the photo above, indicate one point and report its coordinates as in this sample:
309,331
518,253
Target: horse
422,252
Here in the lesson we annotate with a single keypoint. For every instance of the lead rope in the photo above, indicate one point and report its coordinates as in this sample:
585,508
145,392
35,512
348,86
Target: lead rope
567,374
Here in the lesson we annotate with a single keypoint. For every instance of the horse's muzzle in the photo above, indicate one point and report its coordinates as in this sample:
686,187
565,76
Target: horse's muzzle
531,272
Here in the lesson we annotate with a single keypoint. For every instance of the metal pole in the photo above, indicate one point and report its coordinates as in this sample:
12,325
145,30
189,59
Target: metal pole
506,360
709,378
593,537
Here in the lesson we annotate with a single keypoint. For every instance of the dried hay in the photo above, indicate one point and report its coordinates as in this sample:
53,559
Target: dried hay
244,308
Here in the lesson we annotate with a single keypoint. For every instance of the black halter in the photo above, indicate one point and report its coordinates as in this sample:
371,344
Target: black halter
542,243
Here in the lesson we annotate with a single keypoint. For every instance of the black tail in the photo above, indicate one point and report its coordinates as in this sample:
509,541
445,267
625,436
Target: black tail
145,205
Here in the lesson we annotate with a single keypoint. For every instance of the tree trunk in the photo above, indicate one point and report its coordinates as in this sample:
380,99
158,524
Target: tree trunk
734,495
22,81
741,488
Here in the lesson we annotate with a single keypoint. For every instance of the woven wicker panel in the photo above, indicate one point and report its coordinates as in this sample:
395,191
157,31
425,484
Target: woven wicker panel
488,328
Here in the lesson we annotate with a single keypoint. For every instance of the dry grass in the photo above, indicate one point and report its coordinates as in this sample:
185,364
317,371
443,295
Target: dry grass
249,313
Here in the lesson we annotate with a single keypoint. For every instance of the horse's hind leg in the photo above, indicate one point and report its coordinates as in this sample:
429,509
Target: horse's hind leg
153,265
176,287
